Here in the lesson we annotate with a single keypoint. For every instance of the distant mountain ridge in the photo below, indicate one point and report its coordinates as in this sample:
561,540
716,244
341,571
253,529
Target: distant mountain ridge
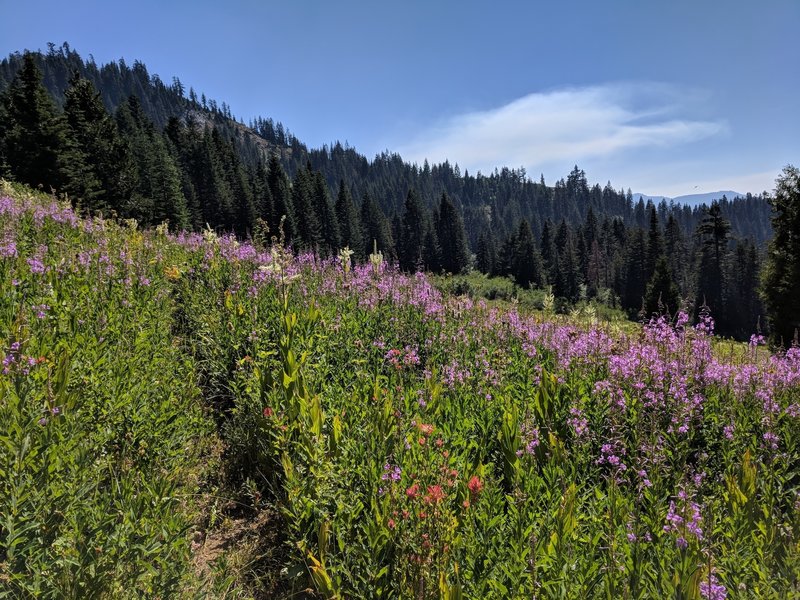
691,199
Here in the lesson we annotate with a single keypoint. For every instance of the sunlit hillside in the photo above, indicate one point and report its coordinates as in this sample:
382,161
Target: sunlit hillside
188,415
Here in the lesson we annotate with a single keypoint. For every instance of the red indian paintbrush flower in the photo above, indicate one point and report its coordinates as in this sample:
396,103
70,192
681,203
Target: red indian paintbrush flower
475,486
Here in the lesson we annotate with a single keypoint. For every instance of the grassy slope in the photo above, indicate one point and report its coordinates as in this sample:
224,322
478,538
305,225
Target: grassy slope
378,438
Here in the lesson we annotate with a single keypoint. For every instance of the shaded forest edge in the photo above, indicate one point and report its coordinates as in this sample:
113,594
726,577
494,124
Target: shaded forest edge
118,140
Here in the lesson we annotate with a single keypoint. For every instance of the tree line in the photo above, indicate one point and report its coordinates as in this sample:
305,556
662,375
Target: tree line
201,168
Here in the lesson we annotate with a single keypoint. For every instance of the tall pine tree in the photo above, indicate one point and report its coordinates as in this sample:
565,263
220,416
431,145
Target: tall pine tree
781,281
411,240
712,234
33,136
349,225
526,262
452,237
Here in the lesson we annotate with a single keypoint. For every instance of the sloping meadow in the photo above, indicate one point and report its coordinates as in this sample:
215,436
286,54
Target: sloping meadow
100,415
417,445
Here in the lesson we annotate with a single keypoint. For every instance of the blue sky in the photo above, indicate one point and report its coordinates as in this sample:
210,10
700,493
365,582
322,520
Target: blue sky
663,97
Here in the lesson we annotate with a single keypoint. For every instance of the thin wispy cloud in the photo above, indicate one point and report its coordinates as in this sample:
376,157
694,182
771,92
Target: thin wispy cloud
564,126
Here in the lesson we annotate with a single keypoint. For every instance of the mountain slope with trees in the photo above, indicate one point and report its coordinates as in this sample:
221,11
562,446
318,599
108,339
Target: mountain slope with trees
116,139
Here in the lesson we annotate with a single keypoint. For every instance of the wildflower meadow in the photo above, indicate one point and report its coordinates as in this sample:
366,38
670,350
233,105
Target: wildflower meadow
410,443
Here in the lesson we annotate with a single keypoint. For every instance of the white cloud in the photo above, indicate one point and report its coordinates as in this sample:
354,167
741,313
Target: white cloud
564,127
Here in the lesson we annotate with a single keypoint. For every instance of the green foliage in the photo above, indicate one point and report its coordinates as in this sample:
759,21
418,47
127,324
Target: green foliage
349,225
100,422
171,157
452,238
411,242
661,295
414,444
781,280
33,136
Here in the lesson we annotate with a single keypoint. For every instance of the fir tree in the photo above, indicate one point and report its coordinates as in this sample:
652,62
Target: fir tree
661,295
262,195
781,281
349,225
410,242
309,231
745,305
452,237
329,226
282,213
157,194
655,243
33,137
431,251
712,234
635,284
675,249
486,257
548,251
526,263
376,229
567,281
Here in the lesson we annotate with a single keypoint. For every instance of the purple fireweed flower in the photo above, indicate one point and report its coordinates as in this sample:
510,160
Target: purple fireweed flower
578,422
684,518
713,590
391,472
770,440
8,248
610,455
530,439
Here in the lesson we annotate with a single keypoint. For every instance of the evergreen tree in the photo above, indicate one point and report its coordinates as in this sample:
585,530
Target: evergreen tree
596,269
548,251
661,295
33,137
157,194
282,213
567,281
526,263
431,252
243,210
329,226
655,243
410,242
712,234
452,237
591,230
376,228
634,286
183,141
208,176
262,196
486,258
349,225
675,249
745,305
781,281
309,230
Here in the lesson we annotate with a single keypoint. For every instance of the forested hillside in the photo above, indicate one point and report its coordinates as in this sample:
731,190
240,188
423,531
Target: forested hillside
117,138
